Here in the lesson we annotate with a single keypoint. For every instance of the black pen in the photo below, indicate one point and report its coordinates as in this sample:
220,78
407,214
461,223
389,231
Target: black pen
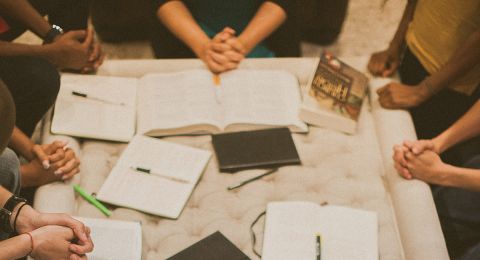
253,179
83,95
319,246
153,173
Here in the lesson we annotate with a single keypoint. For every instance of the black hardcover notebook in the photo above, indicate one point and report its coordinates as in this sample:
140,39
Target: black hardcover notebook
214,247
255,149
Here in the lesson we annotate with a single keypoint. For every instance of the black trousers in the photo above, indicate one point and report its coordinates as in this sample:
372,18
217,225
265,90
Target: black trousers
34,85
68,14
285,42
459,212
439,112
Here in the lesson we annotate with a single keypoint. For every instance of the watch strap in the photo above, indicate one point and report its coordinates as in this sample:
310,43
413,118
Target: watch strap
5,216
54,32
12,202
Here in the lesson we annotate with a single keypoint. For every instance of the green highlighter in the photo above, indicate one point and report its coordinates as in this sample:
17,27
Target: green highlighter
92,200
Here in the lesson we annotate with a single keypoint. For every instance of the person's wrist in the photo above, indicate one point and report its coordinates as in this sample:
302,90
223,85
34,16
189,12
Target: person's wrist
438,145
246,43
25,219
449,176
26,244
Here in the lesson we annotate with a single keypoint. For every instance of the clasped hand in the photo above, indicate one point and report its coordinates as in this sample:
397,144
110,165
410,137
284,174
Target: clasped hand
54,162
420,160
76,50
224,52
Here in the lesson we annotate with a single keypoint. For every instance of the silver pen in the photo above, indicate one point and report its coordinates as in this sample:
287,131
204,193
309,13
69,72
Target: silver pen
83,95
150,172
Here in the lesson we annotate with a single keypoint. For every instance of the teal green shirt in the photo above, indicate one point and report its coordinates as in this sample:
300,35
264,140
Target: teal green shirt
214,15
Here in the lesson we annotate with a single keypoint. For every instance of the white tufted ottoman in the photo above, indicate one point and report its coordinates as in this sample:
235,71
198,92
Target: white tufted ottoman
339,169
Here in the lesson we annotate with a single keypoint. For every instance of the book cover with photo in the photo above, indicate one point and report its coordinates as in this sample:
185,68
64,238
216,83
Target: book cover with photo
335,95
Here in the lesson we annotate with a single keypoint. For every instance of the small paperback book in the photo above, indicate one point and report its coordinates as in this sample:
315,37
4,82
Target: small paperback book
335,96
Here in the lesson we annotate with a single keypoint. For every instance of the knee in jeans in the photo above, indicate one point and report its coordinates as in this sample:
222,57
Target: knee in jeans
9,170
45,78
473,163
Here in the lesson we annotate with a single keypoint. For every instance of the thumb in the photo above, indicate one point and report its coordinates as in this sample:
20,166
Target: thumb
389,70
42,156
78,35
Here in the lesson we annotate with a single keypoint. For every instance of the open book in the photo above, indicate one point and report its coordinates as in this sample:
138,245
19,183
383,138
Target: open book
187,102
114,239
154,176
291,230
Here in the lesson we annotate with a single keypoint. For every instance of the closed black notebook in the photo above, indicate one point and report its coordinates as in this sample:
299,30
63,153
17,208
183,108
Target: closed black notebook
255,149
214,247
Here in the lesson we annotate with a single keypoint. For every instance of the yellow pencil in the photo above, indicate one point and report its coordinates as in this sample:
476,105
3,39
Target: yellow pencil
217,83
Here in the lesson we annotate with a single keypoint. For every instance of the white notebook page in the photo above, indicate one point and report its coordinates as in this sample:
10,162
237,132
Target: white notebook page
147,192
89,117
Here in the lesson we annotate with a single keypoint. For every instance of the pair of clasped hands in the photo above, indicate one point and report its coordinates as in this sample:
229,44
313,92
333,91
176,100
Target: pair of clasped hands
224,52
51,162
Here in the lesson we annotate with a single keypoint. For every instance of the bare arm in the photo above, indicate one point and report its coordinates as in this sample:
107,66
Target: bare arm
15,248
21,144
267,19
178,19
23,12
468,126
386,62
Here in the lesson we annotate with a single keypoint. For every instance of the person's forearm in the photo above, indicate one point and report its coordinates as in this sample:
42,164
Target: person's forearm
15,248
18,49
22,11
463,178
468,126
461,62
4,196
178,19
267,19
21,144
398,41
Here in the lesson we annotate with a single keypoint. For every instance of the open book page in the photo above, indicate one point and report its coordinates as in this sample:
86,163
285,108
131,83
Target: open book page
177,100
113,239
261,97
175,170
290,231
346,233
107,112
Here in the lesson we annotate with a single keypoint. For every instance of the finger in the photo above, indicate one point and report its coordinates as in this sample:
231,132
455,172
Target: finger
57,156
217,57
382,90
409,156
78,35
234,56
237,45
229,30
96,51
221,47
88,38
70,174
70,165
214,66
407,174
99,61
42,156
74,257
387,72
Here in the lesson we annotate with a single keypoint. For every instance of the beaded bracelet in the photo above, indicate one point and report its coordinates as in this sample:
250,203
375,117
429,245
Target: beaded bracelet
31,244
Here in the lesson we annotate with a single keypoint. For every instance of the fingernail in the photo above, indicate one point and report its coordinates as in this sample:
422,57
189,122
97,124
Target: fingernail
58,172
46,164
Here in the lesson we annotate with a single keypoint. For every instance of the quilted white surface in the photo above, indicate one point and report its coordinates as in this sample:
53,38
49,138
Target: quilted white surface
339,169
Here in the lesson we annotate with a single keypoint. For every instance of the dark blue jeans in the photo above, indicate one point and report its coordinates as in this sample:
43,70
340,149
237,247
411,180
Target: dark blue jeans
459,212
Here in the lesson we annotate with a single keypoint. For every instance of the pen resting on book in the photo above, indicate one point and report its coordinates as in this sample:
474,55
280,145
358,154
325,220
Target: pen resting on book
83,95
